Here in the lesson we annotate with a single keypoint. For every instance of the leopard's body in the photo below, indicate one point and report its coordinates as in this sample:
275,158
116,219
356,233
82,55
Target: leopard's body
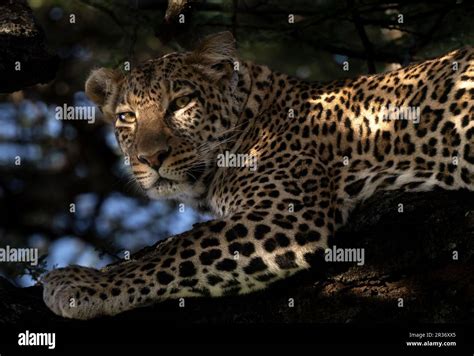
319,148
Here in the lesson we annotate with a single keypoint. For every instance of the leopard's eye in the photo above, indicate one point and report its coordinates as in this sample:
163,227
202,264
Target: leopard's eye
127,117
182,101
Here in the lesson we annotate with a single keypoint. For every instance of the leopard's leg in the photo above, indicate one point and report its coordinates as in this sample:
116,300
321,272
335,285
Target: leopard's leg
239,254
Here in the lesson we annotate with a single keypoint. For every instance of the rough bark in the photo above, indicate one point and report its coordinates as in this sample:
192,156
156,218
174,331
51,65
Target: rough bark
24,59
408,255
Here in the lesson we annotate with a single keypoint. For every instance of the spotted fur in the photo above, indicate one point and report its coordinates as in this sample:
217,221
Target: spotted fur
320,149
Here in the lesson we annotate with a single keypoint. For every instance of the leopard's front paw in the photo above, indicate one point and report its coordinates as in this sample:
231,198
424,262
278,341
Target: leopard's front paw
74,292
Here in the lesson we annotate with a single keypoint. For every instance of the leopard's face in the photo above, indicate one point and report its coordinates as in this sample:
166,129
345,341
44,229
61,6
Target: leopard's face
170,126
172,116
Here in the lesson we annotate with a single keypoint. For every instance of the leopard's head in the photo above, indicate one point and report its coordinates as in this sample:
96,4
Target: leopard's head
173,115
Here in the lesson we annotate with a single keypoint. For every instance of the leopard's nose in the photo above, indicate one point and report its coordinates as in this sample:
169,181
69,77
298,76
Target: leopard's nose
154,160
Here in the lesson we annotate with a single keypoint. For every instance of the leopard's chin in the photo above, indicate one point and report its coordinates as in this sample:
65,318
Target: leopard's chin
163,182
165,188
182,186
186,192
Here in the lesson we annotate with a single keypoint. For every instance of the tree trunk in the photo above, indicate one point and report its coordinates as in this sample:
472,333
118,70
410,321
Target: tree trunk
24,60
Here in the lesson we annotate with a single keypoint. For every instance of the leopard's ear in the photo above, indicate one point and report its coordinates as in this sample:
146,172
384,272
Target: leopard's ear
216,55
101,85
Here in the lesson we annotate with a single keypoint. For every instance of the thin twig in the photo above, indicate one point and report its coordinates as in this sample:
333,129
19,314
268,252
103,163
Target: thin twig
369,48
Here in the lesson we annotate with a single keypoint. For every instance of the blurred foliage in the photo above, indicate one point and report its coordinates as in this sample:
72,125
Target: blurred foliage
76,162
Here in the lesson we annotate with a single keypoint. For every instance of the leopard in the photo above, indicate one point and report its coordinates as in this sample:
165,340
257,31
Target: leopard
319,149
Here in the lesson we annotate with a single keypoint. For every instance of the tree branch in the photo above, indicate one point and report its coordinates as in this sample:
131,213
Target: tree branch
369,49
407,255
